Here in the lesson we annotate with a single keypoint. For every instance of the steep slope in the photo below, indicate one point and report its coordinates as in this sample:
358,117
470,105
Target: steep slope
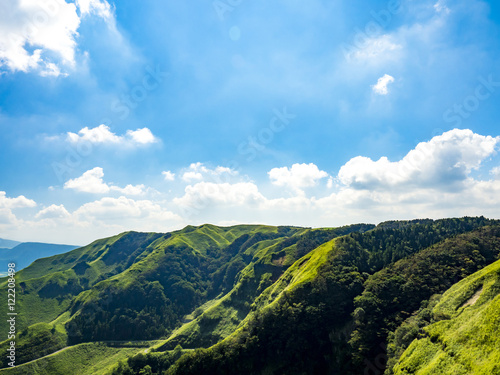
179,274
246,299
112,289
396,292
306,327
46,288
269,260
466,337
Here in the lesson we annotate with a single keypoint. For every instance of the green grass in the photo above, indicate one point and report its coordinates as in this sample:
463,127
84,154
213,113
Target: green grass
83,359
467,341
301,271
220,317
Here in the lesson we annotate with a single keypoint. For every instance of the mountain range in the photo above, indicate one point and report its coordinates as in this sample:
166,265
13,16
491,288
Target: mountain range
401,297
24,253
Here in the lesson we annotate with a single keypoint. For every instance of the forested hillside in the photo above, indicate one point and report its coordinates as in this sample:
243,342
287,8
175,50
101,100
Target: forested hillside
250,299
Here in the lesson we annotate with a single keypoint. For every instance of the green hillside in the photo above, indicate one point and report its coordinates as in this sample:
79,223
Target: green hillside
139,286
465,337
304,322
248,299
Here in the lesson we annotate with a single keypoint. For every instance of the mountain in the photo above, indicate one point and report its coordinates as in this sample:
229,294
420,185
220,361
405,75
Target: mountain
461,331
8,244
23,254
248,299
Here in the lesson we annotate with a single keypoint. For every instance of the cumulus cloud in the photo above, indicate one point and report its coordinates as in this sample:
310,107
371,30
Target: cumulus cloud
123,209
297,177
18,202
130,189
432,180
382,83
92,182
102,134
444,162
53,212
40,35
7,216
204,194
99,134
141,136
435,179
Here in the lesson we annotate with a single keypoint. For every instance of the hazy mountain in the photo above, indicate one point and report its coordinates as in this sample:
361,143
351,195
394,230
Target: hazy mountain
23,254
8,244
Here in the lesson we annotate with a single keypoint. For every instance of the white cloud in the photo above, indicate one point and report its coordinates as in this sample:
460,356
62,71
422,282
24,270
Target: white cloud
53,212
7,218
97,7
124,209
299,176
435,179
99,134
495,172
18,202
141,136
382,83
92,182
372,48
103,135
204,194
169,176
40,35
190,176
130,189
444,162
198,171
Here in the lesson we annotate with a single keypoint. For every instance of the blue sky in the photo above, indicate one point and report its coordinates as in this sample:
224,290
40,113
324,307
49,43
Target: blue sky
154,115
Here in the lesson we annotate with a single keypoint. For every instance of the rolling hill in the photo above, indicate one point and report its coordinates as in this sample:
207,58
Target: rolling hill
247,299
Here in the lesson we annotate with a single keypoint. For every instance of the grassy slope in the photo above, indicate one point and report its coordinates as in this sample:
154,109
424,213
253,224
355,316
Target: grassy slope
83,359
274,268
219,318
302,271
301,275
468,342
49,286
45,288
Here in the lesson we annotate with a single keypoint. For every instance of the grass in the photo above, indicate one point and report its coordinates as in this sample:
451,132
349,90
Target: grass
82,359
467,341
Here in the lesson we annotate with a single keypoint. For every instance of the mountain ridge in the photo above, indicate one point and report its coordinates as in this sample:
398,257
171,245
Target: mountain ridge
207,290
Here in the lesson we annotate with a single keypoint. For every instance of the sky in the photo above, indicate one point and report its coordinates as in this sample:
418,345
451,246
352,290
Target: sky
151,116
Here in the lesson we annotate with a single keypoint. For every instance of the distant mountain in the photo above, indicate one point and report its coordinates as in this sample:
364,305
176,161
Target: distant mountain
8,244
25,253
